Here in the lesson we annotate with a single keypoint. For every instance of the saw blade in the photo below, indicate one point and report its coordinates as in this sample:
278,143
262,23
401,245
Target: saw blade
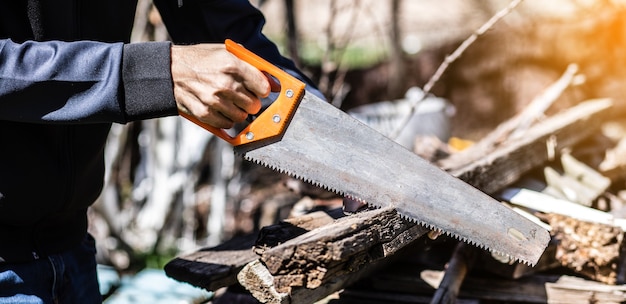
326,147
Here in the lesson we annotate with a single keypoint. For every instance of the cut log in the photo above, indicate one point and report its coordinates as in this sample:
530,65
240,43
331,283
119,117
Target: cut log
324,260
373,233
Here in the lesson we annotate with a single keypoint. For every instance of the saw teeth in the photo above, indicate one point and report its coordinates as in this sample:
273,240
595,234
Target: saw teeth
505,258
404,217
471,242
282,171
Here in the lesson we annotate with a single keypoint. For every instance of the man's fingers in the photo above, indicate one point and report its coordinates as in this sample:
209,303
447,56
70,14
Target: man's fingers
215,86
220,121
191,104
236,105
246,101
255,81
274,83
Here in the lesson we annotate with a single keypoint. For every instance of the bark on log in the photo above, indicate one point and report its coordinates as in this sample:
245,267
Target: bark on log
358,239
589,249
216,267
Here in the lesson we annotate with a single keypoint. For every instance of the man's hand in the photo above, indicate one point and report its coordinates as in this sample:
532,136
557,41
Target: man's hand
214,86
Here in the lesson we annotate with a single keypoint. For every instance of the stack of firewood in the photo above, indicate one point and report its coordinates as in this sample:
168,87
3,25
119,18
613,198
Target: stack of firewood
543,169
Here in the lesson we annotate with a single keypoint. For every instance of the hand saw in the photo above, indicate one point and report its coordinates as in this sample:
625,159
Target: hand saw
303,136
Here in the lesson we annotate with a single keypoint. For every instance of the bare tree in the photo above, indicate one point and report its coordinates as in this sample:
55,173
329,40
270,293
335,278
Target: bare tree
397,62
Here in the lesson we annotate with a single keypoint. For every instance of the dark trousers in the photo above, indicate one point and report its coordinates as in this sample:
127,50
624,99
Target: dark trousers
68,277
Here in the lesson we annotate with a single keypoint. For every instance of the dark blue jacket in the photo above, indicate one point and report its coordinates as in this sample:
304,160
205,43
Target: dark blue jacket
66,73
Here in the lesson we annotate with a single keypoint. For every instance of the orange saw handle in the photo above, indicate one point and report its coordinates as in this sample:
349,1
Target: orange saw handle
274,119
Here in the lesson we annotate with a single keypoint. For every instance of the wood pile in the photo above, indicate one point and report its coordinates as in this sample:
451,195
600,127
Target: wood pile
375,256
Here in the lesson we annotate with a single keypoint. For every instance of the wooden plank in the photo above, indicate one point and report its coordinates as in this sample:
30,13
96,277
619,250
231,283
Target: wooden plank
573,290
409,282
549,204
364,296
213,268
501,167
515,126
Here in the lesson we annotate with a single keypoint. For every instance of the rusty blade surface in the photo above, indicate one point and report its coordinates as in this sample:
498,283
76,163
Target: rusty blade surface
328,148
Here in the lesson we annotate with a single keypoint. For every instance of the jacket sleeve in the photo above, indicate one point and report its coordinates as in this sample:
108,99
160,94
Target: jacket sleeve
84,81
213,21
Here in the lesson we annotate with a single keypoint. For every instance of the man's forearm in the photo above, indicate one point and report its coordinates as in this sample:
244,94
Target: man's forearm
83,82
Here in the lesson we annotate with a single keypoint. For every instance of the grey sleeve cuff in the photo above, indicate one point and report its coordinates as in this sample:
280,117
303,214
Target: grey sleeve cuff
147,81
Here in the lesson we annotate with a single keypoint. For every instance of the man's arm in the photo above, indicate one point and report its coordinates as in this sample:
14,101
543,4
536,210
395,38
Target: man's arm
84,82
90,82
